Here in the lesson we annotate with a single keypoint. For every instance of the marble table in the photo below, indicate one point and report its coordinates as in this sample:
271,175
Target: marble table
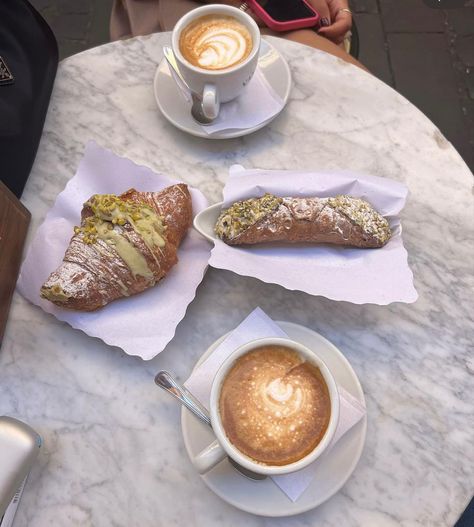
113,452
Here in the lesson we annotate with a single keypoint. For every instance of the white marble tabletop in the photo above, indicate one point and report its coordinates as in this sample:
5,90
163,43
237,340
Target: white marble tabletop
113,452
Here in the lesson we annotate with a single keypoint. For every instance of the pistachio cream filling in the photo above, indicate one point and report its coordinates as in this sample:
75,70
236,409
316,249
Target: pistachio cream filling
110,214
363,215
242,214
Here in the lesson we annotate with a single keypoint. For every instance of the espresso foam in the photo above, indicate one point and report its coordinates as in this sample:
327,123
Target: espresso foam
215,42
274,406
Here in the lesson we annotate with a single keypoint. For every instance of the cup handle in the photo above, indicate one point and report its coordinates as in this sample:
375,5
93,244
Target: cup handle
210,101
209,457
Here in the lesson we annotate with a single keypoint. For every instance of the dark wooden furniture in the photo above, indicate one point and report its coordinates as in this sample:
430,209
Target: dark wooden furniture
14,221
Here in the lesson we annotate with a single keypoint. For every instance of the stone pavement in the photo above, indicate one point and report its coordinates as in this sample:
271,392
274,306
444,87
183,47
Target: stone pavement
422,48
77,24
426,54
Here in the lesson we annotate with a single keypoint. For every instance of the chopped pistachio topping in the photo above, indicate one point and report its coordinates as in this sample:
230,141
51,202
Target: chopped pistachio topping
110,214
112,210
242,214
363,215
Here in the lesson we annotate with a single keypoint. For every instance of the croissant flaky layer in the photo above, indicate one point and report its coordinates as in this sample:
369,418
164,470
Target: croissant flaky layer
124,245
342,220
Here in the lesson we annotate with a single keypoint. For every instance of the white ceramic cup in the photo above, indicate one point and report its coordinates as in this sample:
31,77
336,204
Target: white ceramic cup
216,86
222,447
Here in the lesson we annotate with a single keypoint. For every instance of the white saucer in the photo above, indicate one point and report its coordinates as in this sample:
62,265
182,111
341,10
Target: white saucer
264,497
178,112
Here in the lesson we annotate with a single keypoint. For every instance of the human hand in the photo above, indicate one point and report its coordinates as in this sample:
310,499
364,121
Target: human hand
341,21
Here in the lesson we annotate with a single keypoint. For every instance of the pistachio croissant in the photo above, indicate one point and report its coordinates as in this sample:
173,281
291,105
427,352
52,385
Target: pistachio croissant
343,220
124,245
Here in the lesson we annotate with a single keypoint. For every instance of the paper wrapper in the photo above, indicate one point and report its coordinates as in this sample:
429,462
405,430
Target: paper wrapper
376,276
259,325
256,104
141,324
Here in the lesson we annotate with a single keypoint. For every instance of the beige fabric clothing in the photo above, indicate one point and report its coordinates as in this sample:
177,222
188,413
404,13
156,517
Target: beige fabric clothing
130,18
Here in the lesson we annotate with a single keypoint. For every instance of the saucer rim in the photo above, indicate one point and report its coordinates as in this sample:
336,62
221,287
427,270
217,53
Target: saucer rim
292,506
231,133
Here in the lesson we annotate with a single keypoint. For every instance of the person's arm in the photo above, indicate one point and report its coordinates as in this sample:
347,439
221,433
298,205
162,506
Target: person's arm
338,22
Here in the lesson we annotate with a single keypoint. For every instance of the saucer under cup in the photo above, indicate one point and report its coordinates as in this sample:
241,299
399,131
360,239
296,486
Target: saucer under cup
264,497
177,110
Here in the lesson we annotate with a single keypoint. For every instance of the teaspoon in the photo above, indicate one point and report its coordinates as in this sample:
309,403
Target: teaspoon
167,382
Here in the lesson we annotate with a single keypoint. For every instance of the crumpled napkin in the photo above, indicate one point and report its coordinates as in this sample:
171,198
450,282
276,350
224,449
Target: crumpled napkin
256,104
259,325
142,324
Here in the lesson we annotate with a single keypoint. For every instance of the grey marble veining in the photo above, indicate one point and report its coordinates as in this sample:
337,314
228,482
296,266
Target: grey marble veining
113,452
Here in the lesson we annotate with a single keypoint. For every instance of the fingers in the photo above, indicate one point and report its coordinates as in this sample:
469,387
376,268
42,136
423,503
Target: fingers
338,29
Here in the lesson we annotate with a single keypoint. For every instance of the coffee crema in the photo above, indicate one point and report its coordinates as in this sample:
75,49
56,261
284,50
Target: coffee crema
215,42
274,405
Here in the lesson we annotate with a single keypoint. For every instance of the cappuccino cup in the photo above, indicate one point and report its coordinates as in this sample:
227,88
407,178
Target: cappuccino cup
216,49
274,408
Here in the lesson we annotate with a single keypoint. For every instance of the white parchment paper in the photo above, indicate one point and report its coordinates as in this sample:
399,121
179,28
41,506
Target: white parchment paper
142,324
377,276
258,103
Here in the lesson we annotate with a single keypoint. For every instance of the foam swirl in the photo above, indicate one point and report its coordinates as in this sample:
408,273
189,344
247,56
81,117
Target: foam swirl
215,42
274,406
287,396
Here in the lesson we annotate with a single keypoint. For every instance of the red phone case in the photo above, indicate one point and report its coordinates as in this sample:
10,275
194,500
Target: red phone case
289,24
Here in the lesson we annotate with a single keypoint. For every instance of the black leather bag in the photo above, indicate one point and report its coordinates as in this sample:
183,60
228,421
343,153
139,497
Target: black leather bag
29,52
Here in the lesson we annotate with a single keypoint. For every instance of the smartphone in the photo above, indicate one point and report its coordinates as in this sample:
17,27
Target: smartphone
285,15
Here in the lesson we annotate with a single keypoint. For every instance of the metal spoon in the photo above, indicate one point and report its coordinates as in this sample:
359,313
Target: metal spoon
167,382
196,108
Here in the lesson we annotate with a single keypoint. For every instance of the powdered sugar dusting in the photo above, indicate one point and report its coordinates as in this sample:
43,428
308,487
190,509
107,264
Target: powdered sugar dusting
363,215
343,220
94,274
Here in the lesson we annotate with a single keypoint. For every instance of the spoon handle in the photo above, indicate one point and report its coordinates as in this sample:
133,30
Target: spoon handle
167,382
171,59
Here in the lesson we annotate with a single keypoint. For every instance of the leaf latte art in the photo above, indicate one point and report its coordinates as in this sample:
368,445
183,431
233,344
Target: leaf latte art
274,405
215,42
